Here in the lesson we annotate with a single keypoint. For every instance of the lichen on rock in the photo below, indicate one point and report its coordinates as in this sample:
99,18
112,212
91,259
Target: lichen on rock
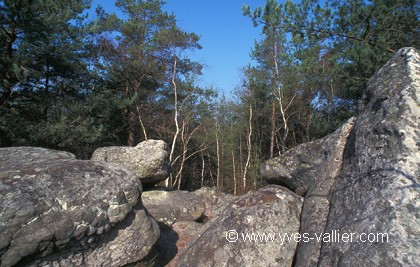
54,207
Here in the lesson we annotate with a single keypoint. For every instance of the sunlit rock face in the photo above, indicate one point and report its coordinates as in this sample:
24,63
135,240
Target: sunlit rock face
378,188
310,169
363,179
230,239
149,160
56,210
169,207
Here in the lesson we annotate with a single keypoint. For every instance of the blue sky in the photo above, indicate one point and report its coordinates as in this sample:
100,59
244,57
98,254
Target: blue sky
227,37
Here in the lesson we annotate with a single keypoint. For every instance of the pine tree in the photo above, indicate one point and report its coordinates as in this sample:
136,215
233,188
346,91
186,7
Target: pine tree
41,43
334,47
138,56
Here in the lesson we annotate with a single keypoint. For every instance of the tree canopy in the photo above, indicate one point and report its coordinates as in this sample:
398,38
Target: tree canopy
74,83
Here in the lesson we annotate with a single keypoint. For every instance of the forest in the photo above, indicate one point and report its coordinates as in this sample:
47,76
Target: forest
73,83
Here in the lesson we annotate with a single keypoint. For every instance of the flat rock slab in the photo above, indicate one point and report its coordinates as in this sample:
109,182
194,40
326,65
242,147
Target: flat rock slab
56,209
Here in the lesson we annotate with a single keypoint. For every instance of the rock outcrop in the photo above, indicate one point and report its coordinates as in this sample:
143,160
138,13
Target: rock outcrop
361,183
181,218
59,211
310,169
310,166
169,207
149,160
378,190
247,232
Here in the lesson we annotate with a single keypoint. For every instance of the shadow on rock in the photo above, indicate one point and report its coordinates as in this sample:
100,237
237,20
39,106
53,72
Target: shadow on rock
164,250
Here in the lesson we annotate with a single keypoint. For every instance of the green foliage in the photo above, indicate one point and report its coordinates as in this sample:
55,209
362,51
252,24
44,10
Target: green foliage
75,85
30,27
335,47
139,63
312,65
40,65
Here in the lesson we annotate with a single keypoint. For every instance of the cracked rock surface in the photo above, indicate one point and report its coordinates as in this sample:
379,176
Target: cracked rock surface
56,210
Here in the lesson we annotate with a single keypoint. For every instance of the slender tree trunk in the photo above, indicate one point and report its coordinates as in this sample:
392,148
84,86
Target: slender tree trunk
131,120
241,163
273,129
235,182
282,99
249,145
141,123
285,130
203,165
218,154
185,155
210,169
222,165
279,96
131,127
178,178
168,181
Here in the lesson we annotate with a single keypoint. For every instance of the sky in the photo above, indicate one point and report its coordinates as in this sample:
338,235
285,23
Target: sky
227,37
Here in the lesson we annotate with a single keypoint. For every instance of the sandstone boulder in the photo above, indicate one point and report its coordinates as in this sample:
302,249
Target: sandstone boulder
33,154
55,210
177,213
311,170
361,183
216,202
149,160
169,207
377,192
260,217
309,166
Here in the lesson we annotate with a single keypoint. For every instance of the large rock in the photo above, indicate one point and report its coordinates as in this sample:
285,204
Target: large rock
178,213
215,201
169,207
261,217
311,170
378,190
149,160
55,210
